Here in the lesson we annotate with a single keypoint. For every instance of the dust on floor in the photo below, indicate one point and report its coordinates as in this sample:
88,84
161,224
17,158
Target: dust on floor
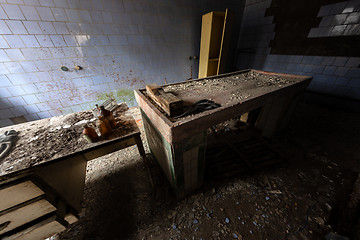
297,199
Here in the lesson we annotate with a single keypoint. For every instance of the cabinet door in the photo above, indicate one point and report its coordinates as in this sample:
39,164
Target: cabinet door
215,40
225,43
205,44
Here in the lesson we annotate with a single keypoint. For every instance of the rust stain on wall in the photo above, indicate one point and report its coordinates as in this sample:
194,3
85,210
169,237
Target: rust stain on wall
129,79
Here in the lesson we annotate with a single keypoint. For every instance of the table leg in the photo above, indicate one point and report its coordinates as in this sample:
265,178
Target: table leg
272,115
143,155
140,147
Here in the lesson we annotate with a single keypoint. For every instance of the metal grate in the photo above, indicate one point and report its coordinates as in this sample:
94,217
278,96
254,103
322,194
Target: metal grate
235,157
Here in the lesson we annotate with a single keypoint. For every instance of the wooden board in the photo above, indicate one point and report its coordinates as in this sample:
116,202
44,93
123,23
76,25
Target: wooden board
28,212
42,230
11,195
169,103
70,218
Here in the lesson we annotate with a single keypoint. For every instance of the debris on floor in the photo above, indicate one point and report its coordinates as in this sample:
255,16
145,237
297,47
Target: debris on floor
293,199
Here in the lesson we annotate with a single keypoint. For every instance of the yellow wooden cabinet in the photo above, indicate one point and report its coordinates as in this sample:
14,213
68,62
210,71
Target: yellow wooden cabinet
215,37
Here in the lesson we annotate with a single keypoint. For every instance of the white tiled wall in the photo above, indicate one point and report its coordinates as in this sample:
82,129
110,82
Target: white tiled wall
121,45
335,75
338,19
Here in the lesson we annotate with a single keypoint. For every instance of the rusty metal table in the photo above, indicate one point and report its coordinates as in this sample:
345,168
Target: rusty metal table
179,144
49,160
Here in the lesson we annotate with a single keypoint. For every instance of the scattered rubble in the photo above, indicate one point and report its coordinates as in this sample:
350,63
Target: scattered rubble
290,201
249,79
50,134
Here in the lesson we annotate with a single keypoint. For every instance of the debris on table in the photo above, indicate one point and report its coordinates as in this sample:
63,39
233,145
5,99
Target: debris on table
50,134
224,90
238,86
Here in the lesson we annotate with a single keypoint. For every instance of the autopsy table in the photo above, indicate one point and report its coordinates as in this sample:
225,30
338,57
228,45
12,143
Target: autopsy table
42,178
179,144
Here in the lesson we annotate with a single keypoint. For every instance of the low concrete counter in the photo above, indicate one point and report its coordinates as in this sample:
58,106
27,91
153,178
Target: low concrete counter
179,144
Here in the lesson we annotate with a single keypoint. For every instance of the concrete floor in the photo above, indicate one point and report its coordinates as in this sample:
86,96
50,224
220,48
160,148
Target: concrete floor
292,200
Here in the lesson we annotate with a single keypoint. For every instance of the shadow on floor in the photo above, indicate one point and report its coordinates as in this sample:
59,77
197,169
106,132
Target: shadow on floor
320,165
